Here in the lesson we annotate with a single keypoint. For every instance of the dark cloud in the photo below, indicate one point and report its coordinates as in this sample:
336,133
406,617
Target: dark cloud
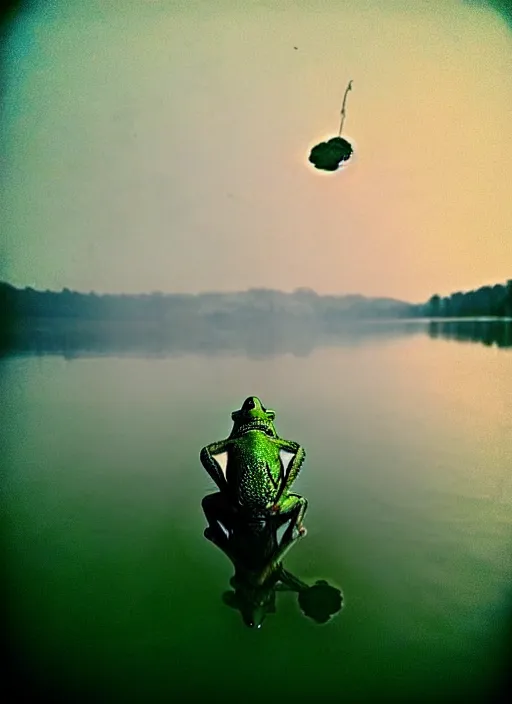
328,156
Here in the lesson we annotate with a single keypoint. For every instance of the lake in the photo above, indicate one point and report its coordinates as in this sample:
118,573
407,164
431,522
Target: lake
115,595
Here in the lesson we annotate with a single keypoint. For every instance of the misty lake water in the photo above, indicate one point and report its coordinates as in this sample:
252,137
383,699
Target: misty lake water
113,590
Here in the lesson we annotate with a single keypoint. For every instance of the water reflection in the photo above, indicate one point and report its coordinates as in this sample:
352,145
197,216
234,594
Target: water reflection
487,332
257,551
255,339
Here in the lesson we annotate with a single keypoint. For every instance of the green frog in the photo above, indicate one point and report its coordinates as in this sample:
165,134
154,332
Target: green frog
257,555
255,469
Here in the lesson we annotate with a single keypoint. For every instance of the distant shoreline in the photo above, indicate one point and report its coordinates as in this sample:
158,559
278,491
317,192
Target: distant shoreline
48,323
253,307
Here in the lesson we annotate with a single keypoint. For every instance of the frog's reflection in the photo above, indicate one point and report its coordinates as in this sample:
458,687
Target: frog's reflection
257,553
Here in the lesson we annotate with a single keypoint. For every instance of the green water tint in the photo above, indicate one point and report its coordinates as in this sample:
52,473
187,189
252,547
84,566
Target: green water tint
114,595
330,155
257,556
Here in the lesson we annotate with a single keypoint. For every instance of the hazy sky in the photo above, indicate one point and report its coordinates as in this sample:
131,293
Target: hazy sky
159,145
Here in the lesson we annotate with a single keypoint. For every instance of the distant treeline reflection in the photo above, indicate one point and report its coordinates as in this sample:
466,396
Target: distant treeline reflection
488,332
73,340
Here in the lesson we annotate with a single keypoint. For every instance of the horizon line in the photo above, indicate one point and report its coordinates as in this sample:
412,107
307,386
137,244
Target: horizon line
298,289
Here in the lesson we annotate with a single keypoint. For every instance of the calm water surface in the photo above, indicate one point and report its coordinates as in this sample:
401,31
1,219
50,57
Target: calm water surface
114,592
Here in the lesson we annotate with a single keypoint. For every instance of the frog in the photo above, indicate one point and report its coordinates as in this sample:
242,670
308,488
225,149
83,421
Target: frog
254,470
257,553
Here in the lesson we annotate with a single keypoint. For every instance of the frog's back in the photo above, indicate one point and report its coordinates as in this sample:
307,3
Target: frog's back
254,469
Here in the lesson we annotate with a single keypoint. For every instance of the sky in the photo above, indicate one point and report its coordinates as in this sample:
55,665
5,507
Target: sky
162,145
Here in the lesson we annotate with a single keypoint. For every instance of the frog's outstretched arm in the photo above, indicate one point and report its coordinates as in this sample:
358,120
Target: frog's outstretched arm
212,466
294,467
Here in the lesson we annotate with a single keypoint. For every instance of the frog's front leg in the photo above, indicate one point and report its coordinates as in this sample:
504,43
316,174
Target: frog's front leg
295,506
292,470
212,466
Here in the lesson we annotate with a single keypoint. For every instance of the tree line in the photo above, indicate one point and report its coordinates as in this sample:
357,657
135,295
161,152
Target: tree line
487,301
253,307
244,308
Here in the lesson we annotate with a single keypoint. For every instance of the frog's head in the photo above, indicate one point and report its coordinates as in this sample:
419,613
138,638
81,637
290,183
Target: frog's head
253,416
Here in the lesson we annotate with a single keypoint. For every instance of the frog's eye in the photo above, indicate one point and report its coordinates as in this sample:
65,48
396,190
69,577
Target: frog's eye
270,414
249,404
